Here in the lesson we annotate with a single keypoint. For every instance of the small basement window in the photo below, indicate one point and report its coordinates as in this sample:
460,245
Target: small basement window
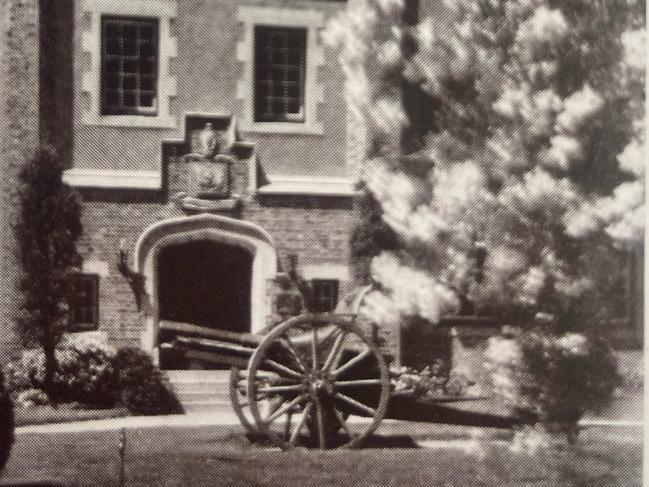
83,300
325,295
280,74
129,66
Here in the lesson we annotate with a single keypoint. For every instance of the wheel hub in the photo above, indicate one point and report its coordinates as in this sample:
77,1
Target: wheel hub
319,385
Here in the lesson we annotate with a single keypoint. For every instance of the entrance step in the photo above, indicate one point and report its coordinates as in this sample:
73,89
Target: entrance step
202,391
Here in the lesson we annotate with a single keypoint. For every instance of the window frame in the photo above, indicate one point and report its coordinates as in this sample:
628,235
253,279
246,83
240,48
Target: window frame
82,325
129,110
285,116
88,60
335,295
312,21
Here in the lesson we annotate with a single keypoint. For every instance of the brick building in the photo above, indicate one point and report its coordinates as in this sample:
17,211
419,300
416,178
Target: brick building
207,139
210,142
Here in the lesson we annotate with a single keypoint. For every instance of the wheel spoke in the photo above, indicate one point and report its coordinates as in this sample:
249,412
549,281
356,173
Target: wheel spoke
358,382
342,422
351,363
294,354
277,389
314,348
301,423
355,403
284,409
321,429
333,354
282,368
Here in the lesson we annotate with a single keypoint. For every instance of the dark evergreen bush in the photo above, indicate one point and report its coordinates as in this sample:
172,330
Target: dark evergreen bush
143,386
6,424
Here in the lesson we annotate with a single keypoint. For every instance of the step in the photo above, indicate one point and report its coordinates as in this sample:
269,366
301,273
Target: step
218,396
215,407
184,376
206,387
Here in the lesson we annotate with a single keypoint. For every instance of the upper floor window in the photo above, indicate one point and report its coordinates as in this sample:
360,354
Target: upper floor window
280,74
83,300
129,66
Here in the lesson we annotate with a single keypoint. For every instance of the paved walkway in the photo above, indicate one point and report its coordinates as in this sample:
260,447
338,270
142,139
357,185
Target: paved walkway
221,419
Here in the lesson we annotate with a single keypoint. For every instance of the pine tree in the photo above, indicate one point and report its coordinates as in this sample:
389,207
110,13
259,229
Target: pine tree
520,131
47,233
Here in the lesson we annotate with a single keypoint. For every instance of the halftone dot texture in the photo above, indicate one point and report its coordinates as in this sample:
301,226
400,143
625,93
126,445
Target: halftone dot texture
527,156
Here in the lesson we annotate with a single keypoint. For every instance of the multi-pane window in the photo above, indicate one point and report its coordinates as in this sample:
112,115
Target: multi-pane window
325,295
83,302
280,71
129,66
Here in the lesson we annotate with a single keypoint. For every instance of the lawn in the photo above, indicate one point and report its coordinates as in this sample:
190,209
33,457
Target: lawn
220,456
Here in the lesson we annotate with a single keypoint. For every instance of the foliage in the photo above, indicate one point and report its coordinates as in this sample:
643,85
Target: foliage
432,381
92,373
370,236
520,131
6,423
558,378
47,234
85,373
143,385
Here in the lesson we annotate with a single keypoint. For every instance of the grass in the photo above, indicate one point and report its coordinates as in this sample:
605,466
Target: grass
65,413
220,456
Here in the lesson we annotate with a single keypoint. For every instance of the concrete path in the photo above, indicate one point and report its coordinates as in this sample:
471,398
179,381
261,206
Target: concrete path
220,419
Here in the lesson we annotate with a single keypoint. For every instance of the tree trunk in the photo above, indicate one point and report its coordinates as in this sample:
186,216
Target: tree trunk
49,349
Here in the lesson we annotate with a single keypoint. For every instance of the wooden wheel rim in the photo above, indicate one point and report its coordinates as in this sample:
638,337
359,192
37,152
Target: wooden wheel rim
317,321
238,402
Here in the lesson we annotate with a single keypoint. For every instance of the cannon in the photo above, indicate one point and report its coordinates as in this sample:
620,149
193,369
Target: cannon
316,380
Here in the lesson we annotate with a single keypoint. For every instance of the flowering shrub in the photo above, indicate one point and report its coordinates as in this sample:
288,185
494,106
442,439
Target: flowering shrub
93,373
556,377
85,373
434,380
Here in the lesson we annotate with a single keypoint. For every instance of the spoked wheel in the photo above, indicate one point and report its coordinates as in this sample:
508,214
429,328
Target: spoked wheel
240,403
317,370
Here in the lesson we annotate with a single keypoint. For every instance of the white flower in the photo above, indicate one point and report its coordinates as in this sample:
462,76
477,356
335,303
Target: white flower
578,109
530,285
634,48
573,343
544,27
581,222
633,158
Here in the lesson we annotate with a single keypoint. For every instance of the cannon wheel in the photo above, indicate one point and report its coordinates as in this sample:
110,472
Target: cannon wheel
310,387
240,403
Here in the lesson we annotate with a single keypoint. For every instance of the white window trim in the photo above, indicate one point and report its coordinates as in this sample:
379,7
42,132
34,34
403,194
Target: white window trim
310,20
112,178
165,11
308,186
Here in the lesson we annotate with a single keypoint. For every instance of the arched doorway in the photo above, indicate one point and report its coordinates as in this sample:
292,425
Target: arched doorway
205,283
182,250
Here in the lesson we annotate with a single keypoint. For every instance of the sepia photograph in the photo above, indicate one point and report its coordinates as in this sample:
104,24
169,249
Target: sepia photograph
319,243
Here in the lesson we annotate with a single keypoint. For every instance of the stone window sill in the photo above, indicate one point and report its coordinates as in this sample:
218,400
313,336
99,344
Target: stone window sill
286,128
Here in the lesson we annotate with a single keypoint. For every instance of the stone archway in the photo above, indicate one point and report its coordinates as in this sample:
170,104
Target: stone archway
223,232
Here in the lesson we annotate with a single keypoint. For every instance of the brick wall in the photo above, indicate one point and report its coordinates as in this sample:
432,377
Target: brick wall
19,31
315,229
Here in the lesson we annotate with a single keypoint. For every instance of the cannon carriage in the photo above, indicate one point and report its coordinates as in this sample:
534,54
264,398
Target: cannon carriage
316,380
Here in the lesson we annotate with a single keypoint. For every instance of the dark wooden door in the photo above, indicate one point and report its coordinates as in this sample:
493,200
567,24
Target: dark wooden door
206,283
